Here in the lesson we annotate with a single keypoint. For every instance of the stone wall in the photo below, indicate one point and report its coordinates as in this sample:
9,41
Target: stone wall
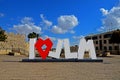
14,42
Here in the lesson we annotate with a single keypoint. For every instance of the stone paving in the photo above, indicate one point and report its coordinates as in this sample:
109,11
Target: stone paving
12,69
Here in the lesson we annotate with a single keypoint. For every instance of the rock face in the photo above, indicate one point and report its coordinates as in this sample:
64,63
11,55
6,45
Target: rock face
15,43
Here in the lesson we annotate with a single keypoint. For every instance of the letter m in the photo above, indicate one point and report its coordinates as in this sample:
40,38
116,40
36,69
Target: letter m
86,46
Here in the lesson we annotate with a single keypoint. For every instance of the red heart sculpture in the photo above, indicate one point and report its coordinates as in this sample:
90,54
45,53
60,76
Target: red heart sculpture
38,45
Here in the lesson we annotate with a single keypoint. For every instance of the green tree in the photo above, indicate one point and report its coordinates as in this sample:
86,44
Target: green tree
33,35
115,38
3,36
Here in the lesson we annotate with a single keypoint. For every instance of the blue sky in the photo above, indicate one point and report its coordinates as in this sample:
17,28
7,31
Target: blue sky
59,18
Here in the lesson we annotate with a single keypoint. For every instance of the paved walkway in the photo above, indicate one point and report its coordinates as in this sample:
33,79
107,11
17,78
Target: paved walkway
12,69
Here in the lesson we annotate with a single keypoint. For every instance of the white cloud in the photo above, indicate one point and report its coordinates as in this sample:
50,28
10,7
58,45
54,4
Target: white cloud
65,24
52,38
72,32
77,37
1,15
58,30
26,20
104,12
26,26
67,21
111,20
45,22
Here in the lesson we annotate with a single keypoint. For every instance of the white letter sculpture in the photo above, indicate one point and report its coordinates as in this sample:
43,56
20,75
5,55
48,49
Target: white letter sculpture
86,46
31,48
83,46
68,54
58,50
72,57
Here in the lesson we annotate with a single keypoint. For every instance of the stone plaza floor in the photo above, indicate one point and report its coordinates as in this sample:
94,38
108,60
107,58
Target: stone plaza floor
12,69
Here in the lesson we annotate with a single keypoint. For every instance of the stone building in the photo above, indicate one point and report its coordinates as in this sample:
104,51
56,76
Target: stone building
14,43
102,43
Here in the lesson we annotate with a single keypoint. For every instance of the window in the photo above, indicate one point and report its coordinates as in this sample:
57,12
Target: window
100,44
96,42
88,38
96,48
100,36
109,42
95,37
105,48
116,47
105,41
110,47
107,35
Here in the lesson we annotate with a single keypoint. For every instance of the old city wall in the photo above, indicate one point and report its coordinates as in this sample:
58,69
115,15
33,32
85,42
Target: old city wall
15,43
